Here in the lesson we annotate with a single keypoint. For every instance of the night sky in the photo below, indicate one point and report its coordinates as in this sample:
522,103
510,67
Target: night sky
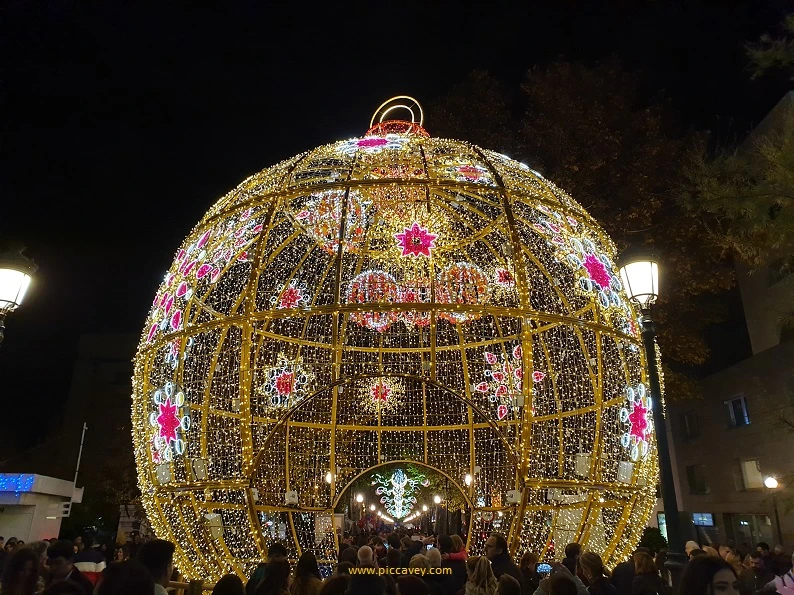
122,122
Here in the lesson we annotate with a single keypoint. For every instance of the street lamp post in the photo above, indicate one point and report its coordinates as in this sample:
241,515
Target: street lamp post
771,484
640,276
16,272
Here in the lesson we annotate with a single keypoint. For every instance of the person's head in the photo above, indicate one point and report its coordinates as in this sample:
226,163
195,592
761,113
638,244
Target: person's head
756,561
419,561
78,540
528,562
229,585
495,545
508,586
762,547
457,543
480,574
591,566
696,553
708,575
366,584
394,541
726,548
349,555
276,550
561,584
710,551
444,543
572,550
59,559
21,572
691,545
406,543
365,556
276,578
307,566
644,564
393,558
2,541
335,585
40,547
344,568
125,578
434,557
375,542
157,556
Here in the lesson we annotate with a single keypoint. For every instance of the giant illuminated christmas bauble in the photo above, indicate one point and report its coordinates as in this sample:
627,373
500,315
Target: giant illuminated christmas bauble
394,297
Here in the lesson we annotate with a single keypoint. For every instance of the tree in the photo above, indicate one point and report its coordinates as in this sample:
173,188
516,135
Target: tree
773,54
653,539
590,130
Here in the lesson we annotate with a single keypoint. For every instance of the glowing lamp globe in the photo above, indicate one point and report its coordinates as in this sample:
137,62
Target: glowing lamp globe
392,300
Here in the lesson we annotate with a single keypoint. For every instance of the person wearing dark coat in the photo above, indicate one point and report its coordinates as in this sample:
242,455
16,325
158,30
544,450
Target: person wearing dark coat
572,551
457,580
646,576
410,547
501,563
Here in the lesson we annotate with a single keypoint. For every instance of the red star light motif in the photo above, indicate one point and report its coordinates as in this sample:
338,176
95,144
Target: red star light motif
597,271
415,241
284,383
290,298
638,418
380,393
168,421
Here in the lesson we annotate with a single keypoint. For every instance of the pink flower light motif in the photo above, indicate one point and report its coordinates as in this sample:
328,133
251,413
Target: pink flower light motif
284,383
638,418
597,271
469,171
415,241
504,278
168,421
290,298
490,358
501,411
538,376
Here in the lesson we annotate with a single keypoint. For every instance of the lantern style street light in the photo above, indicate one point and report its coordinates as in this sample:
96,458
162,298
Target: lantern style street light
16,272
639,274
772,484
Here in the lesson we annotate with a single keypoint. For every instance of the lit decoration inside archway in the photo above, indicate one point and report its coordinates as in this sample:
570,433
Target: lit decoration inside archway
398,491
394,297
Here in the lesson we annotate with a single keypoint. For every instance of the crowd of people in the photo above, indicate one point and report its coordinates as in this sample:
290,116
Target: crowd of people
398,563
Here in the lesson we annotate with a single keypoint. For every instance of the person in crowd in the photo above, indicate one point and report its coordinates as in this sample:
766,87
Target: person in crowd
409,548
664,573
436,582
158,558
65,587
646,576
596,577
275,551
710,551
414,584
366,557
229,585
753,579
560,584
726,548
480,577
691,545
572,552
350,555
458,549
501,563
708,575
376,543
307,580
21,573
366,584
457,579
507,585
344,568
780,562
528,567
125,578
393,559
89,559
276,579
393,541
623,575
60,559
783,584
697,554
336,584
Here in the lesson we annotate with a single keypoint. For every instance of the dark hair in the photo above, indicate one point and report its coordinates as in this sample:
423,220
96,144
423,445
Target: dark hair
559,584
66,588
698,574
229,585
156,555
335,585
366,584
393,540
644,564
276,578
125,578
276,549
11,581
528,562
349,554
756,555
444,543
61,549
572,550
344,568
763,545
501,542
306,567
696,553
508,586
393,558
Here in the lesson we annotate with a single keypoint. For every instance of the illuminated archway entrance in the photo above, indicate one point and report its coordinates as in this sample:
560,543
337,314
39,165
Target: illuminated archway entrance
334,439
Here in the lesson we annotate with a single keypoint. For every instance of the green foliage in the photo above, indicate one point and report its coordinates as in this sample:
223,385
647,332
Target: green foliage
773,54
589,130
653,539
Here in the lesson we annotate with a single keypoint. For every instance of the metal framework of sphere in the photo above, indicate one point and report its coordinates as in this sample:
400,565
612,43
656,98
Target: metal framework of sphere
394,297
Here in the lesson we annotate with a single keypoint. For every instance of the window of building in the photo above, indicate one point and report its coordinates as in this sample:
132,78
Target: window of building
737,411
696,478
690,423
752,479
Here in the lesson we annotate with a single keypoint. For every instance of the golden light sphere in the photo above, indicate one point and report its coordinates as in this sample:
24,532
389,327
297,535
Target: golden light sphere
392,298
